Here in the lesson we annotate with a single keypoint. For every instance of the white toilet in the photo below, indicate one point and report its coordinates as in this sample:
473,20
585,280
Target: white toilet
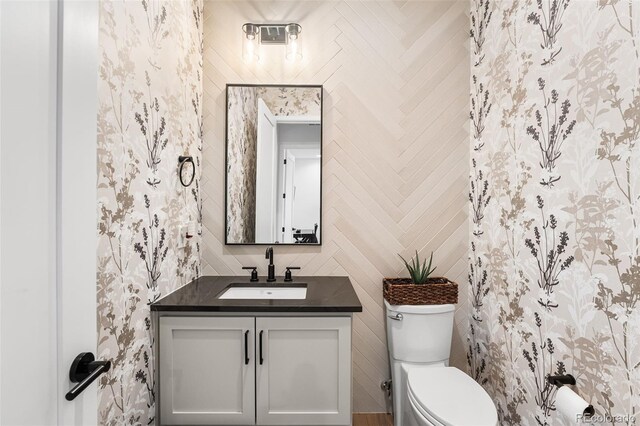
426,391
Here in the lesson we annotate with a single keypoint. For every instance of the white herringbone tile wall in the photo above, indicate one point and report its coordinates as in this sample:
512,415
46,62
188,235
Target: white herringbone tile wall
395,164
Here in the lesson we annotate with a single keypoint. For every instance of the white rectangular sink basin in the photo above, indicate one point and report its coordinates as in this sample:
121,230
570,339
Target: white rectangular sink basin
262,292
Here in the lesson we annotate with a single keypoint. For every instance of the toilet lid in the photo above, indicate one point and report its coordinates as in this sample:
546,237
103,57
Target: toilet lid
451,397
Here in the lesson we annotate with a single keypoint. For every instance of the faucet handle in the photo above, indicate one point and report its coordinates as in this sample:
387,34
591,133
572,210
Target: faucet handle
254,272
287,275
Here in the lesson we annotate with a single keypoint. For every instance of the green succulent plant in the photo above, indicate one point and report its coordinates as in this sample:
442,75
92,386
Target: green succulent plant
419,271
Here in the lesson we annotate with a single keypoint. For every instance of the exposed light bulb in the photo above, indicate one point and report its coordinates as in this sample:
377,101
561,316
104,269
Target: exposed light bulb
293,51
250,50
294,42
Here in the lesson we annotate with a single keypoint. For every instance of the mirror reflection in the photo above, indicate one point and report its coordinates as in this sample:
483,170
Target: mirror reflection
274,164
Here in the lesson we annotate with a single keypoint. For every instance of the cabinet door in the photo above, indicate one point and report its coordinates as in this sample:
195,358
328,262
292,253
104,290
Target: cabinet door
207,371
304,375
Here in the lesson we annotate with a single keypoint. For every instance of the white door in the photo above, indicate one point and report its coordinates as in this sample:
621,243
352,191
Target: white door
304,374
266,175
48,91
207,370
289,196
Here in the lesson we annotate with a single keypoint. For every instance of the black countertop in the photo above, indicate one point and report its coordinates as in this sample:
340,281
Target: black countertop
324,294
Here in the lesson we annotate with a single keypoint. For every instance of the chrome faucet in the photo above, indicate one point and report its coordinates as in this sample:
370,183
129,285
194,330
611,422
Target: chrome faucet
271,277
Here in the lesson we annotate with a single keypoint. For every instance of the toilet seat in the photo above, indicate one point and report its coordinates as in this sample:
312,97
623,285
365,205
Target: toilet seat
445,396
421,415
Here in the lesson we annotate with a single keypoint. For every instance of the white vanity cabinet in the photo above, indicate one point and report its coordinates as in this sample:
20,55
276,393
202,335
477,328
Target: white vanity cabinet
297,370
304,375
207,370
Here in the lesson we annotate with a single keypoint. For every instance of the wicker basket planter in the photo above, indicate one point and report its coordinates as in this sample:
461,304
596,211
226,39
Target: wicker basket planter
436,291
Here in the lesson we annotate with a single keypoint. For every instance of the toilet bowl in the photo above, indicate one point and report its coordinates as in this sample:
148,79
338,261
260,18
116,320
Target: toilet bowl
426,391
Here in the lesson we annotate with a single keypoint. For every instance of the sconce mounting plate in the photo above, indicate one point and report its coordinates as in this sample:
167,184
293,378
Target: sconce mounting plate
273,34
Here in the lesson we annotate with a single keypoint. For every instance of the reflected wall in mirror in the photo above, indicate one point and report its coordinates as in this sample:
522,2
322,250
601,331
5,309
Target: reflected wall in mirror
274,164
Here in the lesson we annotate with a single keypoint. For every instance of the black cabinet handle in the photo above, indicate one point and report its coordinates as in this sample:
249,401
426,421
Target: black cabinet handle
261,358
246,347
84,370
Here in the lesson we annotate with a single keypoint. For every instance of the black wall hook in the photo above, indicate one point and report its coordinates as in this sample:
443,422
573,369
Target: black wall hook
182,160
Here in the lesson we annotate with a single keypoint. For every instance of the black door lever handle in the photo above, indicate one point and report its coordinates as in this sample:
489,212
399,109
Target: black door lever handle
84,370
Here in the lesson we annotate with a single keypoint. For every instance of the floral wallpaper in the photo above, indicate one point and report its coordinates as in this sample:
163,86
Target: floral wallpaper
554,268
242,133
150,96
292,100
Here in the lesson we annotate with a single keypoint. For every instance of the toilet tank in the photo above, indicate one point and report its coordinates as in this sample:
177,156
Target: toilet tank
419,333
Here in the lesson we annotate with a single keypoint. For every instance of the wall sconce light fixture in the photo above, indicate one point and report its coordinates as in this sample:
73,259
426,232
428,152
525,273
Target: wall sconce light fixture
271,34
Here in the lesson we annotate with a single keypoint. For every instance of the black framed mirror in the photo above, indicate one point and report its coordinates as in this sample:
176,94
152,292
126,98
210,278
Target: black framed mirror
273,164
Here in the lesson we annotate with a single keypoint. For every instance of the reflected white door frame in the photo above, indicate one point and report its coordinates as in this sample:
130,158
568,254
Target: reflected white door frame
290,194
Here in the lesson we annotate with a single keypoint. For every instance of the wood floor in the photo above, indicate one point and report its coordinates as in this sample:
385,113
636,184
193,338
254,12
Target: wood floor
372,419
